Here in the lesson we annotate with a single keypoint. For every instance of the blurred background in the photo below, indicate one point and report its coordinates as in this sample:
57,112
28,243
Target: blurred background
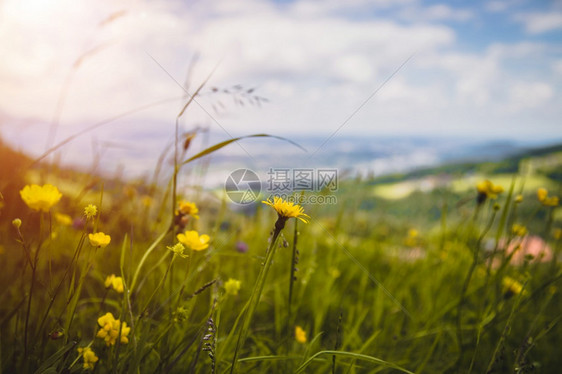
369,87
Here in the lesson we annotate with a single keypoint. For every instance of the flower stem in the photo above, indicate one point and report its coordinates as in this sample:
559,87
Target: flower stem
258,289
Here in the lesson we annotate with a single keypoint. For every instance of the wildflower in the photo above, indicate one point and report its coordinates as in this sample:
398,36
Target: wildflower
487,189
16,223
300,335
188,208
89,357
115,282
178,249
191,239
99,239
63,219
232,286
518,199
146,201
518,230
40,198
90,211
109,330
542,195
287,209
511,286
412,238
241,246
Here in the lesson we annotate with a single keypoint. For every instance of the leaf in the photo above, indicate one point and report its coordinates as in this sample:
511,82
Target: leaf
220,145
49,364
356,356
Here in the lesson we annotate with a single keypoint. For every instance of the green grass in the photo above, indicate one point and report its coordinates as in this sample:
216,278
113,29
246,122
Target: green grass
370,298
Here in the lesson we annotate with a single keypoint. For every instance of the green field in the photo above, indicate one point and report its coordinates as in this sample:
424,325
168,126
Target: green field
410,273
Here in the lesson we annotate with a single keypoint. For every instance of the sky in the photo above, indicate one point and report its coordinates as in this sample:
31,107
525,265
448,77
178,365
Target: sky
475,69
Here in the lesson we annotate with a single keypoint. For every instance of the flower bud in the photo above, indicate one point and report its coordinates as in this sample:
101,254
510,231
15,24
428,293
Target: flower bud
16,223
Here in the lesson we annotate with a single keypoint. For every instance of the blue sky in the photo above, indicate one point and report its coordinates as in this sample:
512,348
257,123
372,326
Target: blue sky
482,69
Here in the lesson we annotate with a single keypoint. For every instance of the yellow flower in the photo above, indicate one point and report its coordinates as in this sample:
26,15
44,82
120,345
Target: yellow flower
300,335
99,239
90,211
63,219
232,286
109,330
512,286
16,223
518,230
146,201
89,357
518,198
188,208
412,238
178,249
40,198
487,189
191,239
542,195
551,201
115,282
287,209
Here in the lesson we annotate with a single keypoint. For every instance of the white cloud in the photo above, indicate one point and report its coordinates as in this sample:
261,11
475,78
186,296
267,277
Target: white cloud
537,23
315,61
528,95
496,6
438,12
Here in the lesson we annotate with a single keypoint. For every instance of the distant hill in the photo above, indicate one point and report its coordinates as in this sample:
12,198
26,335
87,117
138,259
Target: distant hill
509,164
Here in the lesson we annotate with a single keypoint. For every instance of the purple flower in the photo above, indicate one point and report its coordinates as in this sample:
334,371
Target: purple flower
241,247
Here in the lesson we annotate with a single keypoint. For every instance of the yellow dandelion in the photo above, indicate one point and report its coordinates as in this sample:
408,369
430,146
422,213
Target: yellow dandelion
300,335
90,211
115,282
40,198
89,357
232,286
487,189
518,199
109,329
99,239
191,239
287,209
63,219
188,208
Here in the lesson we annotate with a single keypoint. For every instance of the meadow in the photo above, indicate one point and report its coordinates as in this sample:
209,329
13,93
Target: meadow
107,275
